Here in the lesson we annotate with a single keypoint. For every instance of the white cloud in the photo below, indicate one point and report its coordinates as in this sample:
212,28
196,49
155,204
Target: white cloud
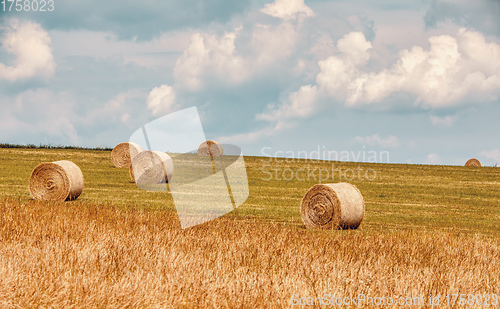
338,74
433,158
210,59
207,54
300,104
354,48
31,46
272,43
161,100
303,103
493,154
216,60
444,122
39,114
288,9
451,71
376,140
113,111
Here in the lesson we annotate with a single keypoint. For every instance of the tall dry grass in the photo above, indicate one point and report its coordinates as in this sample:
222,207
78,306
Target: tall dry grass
81,255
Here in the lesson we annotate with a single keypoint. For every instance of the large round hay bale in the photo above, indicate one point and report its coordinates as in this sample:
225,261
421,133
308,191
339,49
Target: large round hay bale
210,148
56,181
473,162
123,153
332,206
152,167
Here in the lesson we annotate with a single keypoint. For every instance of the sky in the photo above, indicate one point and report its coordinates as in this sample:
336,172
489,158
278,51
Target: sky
384,80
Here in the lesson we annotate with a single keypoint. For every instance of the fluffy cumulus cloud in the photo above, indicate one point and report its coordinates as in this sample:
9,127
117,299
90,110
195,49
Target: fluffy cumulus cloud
216,59
288,9
335,73
272,44
300,104
377,141
161,100
212,61
451,71
338,73
30,45
210,55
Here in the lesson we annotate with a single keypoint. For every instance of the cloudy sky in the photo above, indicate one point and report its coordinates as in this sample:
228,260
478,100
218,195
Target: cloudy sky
418,79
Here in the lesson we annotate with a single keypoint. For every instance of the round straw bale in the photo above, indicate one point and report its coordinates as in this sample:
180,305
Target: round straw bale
473,162
210,148
152,167
56,181
332,206
123,153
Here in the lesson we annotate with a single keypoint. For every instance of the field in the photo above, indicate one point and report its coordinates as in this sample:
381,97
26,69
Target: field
428,230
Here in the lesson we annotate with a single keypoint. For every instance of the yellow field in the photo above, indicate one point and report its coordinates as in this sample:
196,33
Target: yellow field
98,253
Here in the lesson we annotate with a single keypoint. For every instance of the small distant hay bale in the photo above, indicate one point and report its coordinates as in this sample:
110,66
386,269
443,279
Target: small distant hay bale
473,162
332,206
123,153
210,148
152,167
56,181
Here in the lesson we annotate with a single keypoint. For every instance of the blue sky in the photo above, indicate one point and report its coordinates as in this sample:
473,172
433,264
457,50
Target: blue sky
417,79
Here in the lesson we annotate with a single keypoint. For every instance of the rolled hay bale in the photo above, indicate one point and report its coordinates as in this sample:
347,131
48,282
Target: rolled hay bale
152,167
210,148
473,162
332,206
123,153
56,181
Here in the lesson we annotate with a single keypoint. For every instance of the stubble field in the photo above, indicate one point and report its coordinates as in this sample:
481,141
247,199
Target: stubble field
428,230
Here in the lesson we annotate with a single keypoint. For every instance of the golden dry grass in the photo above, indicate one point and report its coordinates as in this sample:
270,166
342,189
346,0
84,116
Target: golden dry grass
86,255
428,230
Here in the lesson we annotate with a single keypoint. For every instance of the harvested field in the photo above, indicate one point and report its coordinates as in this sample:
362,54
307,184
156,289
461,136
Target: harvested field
427,230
